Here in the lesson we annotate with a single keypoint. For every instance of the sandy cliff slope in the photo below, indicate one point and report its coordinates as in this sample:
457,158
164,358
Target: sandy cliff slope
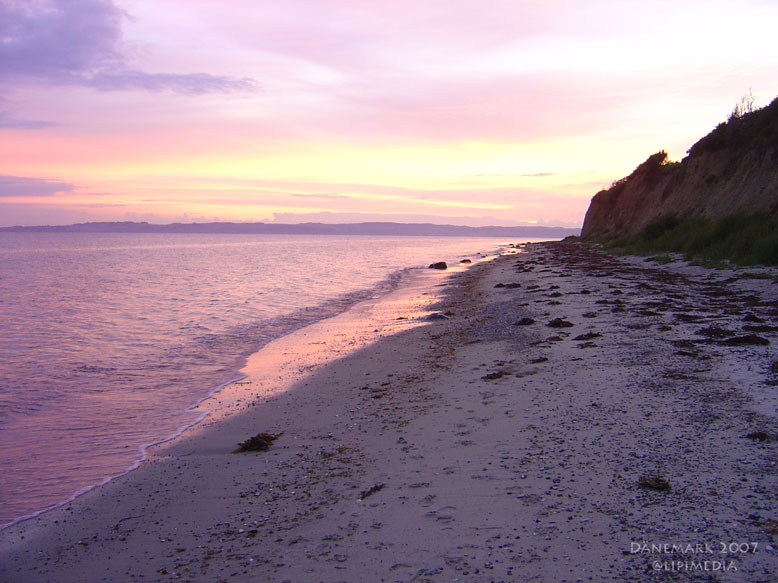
734,169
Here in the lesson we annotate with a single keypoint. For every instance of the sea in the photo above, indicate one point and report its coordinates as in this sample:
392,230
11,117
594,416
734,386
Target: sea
109,341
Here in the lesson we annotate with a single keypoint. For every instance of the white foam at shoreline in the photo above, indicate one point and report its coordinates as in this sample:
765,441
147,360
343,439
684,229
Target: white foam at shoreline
294,323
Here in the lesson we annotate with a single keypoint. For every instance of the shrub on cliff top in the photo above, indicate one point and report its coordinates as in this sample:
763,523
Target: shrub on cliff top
654,164
756,130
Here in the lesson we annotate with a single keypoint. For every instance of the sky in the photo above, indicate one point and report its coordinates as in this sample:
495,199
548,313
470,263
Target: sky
459,111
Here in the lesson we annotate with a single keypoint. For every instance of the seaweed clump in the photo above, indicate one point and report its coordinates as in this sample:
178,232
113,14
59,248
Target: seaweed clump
260,442
370,491
654,482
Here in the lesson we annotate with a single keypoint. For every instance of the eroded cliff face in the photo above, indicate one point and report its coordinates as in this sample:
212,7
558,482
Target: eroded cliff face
732,170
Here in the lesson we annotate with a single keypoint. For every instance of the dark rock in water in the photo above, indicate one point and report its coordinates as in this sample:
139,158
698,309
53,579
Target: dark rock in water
493,376
513,285
538,360
758,436
436,316
465,261
525,322
747,340
500,285
590,315
559,323
438,265
260,442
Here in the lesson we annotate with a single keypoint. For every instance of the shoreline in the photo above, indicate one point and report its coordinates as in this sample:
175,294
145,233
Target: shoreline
196,411
230,396
469,448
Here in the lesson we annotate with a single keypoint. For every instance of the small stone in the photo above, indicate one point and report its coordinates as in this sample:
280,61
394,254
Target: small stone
587,336
747,340
435,316
654,482
753,319
758,436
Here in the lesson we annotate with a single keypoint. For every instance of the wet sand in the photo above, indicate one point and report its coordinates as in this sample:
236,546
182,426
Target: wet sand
572,416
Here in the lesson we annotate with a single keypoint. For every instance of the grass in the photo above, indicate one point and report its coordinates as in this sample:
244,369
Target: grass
740,239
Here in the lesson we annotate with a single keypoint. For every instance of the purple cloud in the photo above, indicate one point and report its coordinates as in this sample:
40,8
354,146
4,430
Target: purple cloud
22,186
58,40
9,121
188,84
79,42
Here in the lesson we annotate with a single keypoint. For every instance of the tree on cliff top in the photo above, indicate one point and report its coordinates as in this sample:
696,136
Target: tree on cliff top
744,106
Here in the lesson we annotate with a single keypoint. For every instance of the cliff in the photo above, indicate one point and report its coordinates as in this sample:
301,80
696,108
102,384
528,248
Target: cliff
731,171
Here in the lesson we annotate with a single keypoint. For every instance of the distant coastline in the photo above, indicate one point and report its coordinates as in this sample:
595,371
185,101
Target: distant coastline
373,228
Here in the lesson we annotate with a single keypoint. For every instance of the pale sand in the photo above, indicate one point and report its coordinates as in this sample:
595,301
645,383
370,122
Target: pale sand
505,452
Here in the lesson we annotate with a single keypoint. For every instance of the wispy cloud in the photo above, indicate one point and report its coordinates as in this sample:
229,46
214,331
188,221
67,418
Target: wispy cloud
522,109
12,186
189,84
7,120
322,196
79,42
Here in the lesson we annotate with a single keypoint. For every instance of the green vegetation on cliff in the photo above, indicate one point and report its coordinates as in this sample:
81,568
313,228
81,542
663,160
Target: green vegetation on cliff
720,202
741,239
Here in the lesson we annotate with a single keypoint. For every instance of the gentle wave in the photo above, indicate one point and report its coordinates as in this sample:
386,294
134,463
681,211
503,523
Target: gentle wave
110,342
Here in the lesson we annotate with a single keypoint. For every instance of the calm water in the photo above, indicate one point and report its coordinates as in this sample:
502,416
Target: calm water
107,341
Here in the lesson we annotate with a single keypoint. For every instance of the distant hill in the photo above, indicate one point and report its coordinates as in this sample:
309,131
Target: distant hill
375,229
731,171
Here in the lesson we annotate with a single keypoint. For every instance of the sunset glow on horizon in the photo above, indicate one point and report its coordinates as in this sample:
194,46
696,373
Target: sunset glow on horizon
462,112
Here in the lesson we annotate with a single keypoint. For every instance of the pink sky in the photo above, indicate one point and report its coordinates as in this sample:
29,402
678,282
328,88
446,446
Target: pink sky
459,111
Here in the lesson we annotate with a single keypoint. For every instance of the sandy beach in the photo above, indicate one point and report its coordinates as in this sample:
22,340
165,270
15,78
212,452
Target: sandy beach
567,416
